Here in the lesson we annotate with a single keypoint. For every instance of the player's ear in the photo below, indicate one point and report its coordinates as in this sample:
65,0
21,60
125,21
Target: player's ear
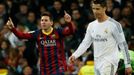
51,23
105,8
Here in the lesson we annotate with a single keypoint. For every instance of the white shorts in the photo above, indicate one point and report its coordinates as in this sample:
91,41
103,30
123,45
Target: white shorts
104,67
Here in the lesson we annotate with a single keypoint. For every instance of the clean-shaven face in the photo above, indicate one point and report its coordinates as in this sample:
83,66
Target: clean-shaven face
46,23
98,10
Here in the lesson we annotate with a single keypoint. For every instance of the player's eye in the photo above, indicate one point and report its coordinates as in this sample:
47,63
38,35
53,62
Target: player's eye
46,20
97,9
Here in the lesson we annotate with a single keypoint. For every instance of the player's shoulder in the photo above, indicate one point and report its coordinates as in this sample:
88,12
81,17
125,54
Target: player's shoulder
92,23
113,22
58,29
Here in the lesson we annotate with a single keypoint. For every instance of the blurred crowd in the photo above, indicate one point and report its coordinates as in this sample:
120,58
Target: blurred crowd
20,57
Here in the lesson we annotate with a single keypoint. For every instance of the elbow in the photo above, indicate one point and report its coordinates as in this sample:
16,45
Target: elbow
72,27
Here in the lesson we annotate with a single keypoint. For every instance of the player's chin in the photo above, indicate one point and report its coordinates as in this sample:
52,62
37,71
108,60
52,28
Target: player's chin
44,28
96,15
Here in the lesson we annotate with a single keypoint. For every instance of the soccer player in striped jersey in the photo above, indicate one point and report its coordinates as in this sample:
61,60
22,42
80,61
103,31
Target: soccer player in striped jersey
106,35
50,43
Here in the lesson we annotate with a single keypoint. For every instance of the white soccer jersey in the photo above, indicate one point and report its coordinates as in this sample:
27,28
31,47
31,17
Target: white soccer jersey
106,36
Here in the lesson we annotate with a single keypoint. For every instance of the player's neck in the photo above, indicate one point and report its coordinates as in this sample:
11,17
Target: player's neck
102,18
48,31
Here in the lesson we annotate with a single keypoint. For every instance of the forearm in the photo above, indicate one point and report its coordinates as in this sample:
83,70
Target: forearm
82,47
69,29
71,26
21,35
123,46
81,50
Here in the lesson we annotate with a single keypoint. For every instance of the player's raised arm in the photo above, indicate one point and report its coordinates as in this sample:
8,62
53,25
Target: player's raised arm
70,25
20,35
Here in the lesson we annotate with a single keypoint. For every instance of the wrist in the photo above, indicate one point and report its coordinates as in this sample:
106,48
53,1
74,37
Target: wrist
74,56
13,29
69,22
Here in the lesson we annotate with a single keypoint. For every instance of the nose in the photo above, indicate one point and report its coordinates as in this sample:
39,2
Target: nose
42,23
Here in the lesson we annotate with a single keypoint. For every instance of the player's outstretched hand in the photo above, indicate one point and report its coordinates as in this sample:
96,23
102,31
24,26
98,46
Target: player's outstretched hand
128,71
9,23
71,59
67,17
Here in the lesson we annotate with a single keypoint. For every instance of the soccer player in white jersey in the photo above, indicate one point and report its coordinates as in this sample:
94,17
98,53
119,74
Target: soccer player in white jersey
106,35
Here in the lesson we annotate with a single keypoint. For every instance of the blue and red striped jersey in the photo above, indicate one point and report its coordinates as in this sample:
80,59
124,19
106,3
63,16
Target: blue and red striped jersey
51,48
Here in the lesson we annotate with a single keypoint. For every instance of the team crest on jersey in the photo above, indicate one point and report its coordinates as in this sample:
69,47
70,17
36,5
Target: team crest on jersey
54,36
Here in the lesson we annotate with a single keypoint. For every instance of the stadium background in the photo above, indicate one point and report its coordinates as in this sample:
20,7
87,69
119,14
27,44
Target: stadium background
19,57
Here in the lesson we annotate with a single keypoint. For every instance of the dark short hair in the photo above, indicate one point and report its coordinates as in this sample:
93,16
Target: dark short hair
47,14
101,2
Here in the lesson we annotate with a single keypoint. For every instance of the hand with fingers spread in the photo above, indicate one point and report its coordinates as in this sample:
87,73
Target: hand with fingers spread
10,24
67,17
